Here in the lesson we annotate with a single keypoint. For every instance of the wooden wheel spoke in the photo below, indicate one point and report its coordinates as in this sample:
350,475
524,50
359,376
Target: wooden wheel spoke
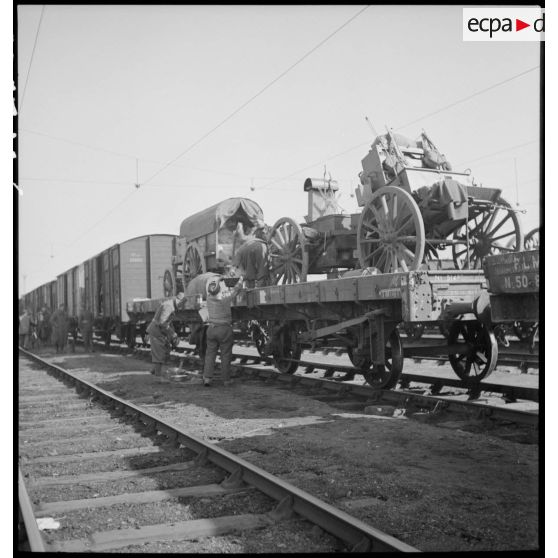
498,226
403,226
278,246
503,236
371,227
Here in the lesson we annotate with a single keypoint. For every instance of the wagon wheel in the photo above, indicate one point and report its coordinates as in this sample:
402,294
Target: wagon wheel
494,230
288,254
532,240
390,234
386,376
169,284
286,351
479,360
194,263
525,331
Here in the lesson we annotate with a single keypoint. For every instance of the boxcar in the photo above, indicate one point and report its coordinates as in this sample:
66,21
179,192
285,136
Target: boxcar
126,271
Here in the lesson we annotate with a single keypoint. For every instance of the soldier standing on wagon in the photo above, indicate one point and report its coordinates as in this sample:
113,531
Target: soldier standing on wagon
251,258
86,328
161,333
219,331
59,322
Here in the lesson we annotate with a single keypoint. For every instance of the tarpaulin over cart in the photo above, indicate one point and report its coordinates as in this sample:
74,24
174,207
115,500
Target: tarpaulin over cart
226,213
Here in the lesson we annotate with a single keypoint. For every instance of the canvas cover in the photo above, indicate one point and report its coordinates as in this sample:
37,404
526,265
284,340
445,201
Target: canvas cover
216,217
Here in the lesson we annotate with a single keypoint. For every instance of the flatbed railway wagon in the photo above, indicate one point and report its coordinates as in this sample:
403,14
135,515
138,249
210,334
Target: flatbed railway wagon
414,207
513,285
360,315
131,270
207,241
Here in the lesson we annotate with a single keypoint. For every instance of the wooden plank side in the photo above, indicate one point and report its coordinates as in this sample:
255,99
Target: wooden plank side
515,272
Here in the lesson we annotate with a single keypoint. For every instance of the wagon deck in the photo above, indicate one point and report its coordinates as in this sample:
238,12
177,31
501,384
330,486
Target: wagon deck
413,296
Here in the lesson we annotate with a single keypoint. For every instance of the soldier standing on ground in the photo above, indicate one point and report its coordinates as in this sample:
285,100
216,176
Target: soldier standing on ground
24,329
86,328
43,326
59,322
219,331
161,333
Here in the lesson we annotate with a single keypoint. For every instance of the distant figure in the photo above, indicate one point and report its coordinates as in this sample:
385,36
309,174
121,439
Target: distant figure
251,258
43,326
161,333
59,322
24,329
86,328
219,331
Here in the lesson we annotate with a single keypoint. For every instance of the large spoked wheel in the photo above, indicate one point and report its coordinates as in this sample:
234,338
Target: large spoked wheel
390,234
288,256
478,353
287,351
169,284
194,263
494,230
386,376
532,239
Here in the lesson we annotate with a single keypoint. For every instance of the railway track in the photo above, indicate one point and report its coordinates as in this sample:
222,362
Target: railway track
68,438
358,397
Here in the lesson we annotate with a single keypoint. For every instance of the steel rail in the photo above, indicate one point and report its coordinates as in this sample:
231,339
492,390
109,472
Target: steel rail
352,531
397,396
34,538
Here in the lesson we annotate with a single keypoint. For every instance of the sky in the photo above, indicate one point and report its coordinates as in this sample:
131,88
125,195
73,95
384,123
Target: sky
197,104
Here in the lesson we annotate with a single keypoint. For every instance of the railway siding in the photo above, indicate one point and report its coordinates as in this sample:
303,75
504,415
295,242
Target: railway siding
413,481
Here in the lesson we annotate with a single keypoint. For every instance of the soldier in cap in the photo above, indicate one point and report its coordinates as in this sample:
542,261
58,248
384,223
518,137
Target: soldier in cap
161,333
219,331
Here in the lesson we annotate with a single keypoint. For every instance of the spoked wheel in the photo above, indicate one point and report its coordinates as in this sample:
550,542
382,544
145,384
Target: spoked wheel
169,284
288,254
390,234
259,335
194,263
287,350
494,230
386,376
479,350
532,240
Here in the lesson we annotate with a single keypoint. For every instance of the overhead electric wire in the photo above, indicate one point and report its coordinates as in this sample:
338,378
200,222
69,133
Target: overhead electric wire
265,88
497,152
31,59
493,86
141,159
468,97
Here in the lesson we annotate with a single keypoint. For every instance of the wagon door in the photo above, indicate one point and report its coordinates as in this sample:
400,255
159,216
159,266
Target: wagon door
115,282
134,273
105,284
160,257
